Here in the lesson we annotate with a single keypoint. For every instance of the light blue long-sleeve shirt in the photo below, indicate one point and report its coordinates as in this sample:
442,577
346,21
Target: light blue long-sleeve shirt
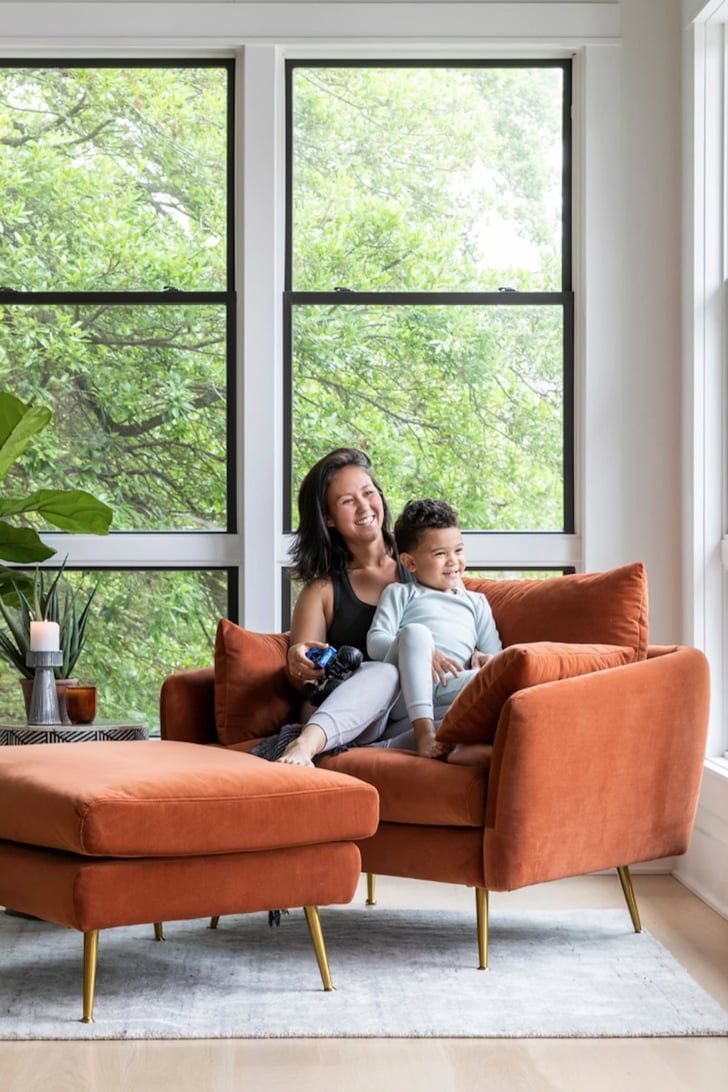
460,621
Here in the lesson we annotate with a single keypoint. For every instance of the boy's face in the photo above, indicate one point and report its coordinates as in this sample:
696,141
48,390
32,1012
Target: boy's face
438,559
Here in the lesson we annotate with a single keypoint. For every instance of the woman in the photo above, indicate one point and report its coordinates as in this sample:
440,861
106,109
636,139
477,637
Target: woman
345,553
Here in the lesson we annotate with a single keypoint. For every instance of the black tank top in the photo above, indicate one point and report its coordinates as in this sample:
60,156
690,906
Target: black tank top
352,618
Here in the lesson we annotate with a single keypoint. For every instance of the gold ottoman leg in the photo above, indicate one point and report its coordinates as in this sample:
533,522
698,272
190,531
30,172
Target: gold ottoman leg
314,928
626,881
159,930
371,889
481,913
90,951
214,920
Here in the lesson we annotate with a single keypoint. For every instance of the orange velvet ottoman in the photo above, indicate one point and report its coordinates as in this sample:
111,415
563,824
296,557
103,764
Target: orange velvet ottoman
96,835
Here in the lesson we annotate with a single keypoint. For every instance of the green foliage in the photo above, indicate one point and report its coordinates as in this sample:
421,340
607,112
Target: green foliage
71,510
114,179
434,179
143,626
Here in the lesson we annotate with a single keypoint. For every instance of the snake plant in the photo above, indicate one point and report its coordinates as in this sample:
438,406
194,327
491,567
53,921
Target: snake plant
66,606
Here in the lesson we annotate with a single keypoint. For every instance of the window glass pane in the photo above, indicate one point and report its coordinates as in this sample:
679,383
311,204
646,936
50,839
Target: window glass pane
427,178
139,407
113,178
142,627
460,403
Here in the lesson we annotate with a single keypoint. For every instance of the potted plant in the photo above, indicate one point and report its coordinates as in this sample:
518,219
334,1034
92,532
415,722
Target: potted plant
69,608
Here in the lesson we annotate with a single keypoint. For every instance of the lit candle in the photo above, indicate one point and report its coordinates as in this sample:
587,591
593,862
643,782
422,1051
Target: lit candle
45,637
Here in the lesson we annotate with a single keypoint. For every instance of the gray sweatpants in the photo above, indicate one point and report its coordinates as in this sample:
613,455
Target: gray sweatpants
376,706
358,709
412,651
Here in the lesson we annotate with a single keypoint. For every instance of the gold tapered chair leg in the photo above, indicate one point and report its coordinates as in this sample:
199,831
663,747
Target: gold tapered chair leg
626,881
159,930
371,889
314,928
90,951
214,920
481,913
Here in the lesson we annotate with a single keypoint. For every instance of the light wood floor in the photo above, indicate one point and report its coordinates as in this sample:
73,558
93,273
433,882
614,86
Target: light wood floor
696,935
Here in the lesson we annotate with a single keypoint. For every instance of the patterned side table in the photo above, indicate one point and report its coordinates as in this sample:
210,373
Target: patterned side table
18,735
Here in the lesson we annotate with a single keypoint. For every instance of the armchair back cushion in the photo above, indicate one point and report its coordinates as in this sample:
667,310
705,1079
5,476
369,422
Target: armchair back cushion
607,608
253,696
473,717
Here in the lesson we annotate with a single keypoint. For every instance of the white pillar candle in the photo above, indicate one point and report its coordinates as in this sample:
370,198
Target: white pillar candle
45,637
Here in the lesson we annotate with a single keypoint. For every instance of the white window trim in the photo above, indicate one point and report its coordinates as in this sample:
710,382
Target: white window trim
706,397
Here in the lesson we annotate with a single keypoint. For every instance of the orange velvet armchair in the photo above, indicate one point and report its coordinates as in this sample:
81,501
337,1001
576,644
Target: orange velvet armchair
587,773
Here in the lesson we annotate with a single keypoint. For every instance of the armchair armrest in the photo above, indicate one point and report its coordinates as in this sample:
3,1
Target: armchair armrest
187,707
597,771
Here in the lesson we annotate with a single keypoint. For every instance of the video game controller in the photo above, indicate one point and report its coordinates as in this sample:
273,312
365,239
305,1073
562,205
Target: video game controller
338,666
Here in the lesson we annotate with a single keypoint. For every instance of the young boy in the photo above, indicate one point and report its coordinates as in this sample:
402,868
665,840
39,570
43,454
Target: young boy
437,633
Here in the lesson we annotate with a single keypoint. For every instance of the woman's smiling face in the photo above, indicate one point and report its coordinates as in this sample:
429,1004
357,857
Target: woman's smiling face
354,505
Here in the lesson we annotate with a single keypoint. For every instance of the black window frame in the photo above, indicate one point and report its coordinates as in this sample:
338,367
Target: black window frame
10,297
563,298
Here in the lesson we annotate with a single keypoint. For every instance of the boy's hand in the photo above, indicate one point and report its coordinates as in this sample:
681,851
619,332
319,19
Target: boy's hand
480,659
442,665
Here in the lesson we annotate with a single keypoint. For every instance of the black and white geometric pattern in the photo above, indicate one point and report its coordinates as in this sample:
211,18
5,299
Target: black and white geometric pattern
22,735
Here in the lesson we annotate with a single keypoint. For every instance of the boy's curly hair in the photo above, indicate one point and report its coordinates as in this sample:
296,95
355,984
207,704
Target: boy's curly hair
419,516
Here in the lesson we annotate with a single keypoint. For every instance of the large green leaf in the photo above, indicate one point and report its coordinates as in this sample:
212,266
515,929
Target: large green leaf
18,424
22,544
13,583
72,510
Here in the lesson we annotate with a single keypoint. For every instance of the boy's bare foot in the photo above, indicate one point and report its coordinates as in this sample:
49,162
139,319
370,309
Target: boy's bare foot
300,751
470,754
427,745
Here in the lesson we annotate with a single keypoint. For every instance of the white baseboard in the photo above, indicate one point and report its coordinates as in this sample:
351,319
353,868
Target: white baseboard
662,867
704,868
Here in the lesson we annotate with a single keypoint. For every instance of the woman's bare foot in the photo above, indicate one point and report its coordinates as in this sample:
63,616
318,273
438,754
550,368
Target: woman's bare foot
301,751
427,745
470,754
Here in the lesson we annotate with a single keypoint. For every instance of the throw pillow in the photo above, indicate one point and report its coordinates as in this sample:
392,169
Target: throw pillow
253,697
607,608
473,716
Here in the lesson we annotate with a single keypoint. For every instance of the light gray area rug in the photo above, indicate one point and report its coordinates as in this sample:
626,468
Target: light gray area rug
397,974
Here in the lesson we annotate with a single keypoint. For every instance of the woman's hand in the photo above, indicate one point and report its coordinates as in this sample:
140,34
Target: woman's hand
480,659
300,669
442,665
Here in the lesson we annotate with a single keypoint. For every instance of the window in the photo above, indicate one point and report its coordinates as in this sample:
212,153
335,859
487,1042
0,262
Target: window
117,310
144,625
428,311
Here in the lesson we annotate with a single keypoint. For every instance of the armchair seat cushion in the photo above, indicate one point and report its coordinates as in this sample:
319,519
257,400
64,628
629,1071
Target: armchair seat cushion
415,790
166,799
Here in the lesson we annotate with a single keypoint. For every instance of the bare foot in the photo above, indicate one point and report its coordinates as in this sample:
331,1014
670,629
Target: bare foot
300,751
427,745
470,754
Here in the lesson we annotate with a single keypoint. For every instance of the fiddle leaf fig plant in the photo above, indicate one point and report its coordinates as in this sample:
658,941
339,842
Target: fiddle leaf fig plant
72,510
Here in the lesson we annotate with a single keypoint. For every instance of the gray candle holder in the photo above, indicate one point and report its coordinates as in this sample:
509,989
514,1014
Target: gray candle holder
44,699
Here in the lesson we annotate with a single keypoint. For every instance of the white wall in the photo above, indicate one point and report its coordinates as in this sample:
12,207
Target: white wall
650,426
631,493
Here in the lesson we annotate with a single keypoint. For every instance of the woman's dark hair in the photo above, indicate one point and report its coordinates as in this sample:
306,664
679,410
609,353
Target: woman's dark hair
319,550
